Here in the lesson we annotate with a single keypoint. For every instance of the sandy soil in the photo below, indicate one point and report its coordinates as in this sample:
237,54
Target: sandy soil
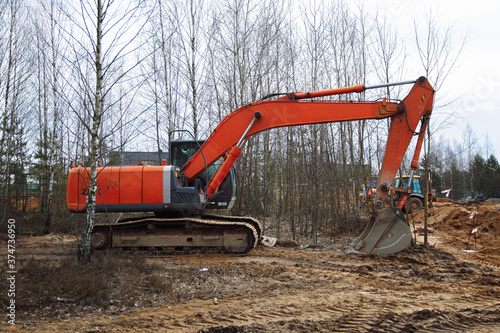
440,288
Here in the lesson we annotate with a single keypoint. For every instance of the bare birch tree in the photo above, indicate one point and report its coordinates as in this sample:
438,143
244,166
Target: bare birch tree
105,36
14,74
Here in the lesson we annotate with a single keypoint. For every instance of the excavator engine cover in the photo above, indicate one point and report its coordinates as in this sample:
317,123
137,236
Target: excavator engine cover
388,234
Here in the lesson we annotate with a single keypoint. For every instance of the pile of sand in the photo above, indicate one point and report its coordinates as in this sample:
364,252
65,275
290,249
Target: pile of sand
475,227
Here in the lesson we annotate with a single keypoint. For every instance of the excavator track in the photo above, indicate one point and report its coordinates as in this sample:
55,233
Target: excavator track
240,219
206,234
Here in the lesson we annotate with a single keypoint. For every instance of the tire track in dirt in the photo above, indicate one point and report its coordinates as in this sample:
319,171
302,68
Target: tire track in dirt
424,290
374,315
360,297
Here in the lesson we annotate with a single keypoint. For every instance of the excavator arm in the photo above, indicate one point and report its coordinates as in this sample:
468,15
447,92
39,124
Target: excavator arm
301,109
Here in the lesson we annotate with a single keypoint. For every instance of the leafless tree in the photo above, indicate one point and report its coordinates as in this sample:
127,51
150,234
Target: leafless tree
241,54
49,71
438,58
14,74
104,38
193,44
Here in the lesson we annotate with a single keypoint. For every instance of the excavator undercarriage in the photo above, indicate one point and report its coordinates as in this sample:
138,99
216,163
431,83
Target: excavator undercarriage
205,234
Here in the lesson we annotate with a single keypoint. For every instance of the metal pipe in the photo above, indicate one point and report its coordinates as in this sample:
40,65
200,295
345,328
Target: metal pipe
338,91
257,116
329,92
390,84
410,184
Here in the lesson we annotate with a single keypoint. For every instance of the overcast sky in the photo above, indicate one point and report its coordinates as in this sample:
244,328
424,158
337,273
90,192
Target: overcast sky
474,85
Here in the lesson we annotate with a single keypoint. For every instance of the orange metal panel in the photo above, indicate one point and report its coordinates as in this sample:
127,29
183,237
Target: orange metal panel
153,184
73,190
108,184
131,184
77,188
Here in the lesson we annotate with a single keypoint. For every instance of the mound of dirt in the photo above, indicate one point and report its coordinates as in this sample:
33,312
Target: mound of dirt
475,227
445,200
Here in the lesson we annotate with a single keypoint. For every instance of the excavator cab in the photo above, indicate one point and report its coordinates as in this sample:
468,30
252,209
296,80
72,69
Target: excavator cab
180,153
403,183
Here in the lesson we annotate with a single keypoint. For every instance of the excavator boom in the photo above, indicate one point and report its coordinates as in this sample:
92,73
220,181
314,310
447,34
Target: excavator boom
385,233
286,111
298,109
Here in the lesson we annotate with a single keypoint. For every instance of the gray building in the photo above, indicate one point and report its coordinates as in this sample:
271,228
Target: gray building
139,157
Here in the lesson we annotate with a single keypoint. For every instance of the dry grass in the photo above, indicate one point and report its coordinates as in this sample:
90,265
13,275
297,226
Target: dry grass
109,281
117,283
70,281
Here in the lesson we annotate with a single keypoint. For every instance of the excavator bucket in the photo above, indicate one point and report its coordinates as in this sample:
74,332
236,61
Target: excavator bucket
388,234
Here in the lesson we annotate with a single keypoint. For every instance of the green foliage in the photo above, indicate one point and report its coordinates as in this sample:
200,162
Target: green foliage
477,171
480,176
490,177
485,175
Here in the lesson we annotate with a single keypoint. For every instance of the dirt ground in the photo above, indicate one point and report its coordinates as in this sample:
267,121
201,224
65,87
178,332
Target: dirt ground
451,286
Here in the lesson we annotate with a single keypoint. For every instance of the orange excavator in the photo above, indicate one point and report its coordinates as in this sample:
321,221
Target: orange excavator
200,177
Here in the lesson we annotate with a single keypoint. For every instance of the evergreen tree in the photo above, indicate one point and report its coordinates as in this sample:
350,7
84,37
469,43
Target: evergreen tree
477,171
491,177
